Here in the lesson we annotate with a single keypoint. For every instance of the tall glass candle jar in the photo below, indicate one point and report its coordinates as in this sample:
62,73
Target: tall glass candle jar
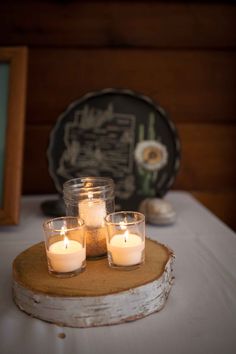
91,198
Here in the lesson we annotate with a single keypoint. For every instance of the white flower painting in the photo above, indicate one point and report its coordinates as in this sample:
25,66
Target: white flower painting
151,155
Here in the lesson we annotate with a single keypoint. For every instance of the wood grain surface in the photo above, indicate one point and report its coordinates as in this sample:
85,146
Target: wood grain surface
30,271
180,54
173,24
192,86
98,296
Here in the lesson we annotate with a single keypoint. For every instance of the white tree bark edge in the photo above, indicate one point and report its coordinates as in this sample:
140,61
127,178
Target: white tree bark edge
90,311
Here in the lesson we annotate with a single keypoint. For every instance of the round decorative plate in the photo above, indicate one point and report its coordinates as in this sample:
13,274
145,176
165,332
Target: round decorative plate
119,134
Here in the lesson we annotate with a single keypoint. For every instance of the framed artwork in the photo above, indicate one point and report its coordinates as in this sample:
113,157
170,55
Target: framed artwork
116,133
13,70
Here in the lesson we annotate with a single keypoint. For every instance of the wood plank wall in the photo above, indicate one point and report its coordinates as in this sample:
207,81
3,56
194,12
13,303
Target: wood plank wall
182,55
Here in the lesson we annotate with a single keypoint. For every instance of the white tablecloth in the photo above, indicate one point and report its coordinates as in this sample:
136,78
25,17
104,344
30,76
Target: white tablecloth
199,316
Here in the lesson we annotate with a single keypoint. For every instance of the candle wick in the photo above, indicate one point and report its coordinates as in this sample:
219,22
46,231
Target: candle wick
126,235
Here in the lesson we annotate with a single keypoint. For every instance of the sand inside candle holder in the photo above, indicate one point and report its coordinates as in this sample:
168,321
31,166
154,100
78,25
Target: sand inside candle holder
96,242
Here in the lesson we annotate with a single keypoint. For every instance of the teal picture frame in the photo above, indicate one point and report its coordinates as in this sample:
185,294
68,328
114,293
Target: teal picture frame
13,72
4,86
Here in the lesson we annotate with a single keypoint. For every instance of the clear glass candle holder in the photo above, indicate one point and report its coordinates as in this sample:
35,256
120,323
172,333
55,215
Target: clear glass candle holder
91,198
65,246
125,239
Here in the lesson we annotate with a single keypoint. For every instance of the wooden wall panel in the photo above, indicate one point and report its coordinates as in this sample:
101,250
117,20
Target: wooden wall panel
208,155
193,86
180,54
36,178
118,24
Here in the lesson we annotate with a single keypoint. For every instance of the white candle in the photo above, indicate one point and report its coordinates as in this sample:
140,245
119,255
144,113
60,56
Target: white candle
66,257
92,211
126,249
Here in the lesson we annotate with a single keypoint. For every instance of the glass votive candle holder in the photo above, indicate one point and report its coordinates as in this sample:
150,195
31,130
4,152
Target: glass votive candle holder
125,239
65,246
91,198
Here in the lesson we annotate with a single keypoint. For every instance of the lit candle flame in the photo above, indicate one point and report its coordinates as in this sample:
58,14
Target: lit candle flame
66,242
126,235
122,225
90,195
63,233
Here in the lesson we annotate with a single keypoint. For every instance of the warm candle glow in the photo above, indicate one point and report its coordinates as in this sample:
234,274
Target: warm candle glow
122,225
65,246
63,233
90,195
66,241
126,249
66,255
126,235
125,239
92,211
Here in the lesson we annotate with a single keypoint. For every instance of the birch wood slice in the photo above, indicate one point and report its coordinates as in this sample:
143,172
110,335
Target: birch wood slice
98,296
